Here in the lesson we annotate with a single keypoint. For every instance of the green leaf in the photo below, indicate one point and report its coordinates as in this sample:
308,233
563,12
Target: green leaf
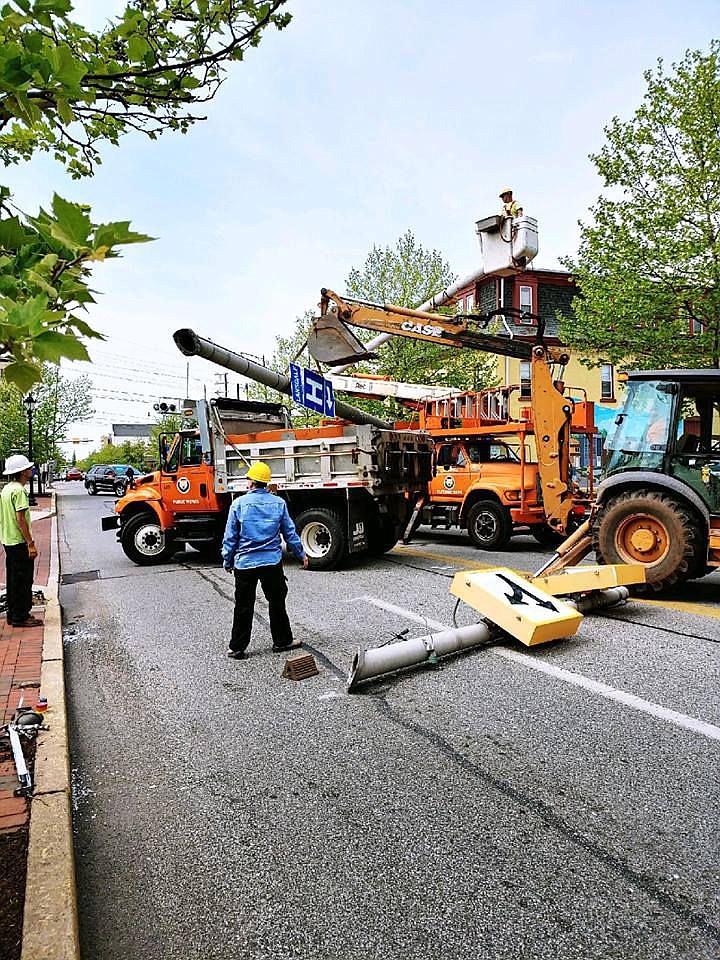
72,220
137,48
53,346
23,374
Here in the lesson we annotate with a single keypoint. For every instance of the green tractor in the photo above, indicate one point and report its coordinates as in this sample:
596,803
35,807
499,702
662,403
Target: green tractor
658,503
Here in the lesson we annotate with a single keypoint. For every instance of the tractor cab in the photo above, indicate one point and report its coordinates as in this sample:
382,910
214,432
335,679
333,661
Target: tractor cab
670,425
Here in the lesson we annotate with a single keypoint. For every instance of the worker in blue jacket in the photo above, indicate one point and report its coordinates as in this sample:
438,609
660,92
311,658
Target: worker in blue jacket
253,551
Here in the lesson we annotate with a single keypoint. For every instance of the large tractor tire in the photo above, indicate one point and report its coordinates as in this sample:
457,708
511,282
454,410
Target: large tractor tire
144,542
489,525
323,538
652,529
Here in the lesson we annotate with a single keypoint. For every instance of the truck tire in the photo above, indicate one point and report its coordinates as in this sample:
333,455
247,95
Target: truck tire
323,537
652,529
382,537
489,525
546,536
144,542
208,550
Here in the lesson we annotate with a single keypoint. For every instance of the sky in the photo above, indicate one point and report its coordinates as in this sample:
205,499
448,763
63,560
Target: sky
357,122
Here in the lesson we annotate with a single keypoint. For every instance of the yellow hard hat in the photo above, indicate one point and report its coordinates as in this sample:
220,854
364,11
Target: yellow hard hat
506,190
259,471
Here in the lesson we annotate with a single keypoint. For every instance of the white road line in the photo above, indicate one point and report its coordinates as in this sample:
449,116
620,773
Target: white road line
708,730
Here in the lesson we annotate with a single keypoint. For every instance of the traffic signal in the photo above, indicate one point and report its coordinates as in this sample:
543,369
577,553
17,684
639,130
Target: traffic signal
164,407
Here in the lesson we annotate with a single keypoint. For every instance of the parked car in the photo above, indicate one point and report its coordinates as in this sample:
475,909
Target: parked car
74,474
109,477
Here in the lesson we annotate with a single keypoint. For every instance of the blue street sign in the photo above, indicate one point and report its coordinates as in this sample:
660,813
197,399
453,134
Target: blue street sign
329,399
296,382
312,390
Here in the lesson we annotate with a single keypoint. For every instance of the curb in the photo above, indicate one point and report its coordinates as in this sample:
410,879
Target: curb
50,924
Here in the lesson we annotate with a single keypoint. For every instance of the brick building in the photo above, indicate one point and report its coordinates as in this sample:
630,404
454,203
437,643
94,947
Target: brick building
549,294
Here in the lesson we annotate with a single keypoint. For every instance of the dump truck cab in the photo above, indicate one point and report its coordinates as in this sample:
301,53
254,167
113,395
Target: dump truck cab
481,483
659,501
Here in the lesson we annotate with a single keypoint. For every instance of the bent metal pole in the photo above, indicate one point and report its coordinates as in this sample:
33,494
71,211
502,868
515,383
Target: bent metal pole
369,664
192,345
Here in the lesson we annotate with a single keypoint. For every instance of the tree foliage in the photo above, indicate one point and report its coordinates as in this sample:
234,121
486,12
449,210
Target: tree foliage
648,266
45,264
60,403
408,274
65,89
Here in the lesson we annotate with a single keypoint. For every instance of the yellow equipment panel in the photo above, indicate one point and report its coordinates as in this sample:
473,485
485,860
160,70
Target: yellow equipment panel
583,579
518,607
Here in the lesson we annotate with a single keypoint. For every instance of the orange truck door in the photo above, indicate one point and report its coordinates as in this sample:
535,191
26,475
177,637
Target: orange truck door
187,484
452,473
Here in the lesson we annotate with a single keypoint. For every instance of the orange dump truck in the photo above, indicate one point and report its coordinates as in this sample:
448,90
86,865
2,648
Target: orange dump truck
349,487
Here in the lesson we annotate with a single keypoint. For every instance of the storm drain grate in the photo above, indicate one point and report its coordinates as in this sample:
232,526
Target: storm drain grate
79,577
300,666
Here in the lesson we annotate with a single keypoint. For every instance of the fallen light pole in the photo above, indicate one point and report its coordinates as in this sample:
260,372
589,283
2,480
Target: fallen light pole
369,664
543,618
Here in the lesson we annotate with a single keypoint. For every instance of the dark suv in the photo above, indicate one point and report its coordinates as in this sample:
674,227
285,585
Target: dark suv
109,477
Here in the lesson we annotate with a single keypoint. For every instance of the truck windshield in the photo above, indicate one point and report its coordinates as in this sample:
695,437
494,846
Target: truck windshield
640,439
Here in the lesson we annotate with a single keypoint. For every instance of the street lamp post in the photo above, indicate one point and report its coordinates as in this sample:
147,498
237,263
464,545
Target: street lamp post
30,404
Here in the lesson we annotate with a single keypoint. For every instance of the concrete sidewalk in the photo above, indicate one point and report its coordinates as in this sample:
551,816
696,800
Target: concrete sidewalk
31,665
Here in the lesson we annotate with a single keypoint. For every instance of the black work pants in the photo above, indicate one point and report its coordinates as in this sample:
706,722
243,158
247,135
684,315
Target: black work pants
19,568
274,586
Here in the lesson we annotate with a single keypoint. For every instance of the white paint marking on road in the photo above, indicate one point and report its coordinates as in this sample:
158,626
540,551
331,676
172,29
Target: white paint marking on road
402,612
329,696
708,730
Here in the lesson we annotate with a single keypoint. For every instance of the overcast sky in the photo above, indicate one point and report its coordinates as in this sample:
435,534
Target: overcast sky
357,122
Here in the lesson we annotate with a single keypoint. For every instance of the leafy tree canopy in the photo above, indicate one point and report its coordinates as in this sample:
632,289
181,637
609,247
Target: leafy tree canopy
60,403
648,266
45,264
408,274
65,89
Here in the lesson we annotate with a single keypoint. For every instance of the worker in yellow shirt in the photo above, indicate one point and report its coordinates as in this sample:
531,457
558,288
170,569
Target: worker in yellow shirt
510,208
17,540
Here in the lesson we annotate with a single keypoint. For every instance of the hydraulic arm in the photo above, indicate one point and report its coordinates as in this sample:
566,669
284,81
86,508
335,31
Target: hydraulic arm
332,342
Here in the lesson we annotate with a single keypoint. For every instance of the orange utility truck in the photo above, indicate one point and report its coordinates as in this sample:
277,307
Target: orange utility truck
349,486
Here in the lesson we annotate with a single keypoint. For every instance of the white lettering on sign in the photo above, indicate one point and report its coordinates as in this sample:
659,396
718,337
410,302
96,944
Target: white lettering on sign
314,392
426,329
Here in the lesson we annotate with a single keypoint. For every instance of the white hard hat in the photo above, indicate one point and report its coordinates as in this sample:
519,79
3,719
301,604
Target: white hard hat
16,464
506,190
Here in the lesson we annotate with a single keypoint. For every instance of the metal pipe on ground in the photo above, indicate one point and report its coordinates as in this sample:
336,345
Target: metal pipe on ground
370,664
438,300
191,345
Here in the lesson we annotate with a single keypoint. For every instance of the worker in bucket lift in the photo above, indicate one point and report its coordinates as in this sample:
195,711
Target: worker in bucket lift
252,551
510,207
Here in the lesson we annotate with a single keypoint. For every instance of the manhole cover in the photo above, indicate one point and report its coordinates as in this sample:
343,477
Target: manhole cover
78,577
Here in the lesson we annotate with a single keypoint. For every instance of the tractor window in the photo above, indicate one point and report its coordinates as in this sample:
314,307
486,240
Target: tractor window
501,453
642,428
169,452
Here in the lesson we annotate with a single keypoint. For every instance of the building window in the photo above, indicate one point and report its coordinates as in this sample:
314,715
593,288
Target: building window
470,303
460,307
607,385
525,391
526,302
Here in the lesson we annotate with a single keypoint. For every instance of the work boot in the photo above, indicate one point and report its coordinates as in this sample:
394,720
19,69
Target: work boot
237,654
285,647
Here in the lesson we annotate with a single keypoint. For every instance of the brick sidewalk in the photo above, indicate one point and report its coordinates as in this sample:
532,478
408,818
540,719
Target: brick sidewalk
20,659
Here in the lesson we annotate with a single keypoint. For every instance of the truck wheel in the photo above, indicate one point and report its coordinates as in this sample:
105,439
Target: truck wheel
651,529
489,525
382,537
144,542
546,536
323,538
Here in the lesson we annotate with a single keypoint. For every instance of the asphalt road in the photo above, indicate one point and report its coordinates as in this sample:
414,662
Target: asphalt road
482,809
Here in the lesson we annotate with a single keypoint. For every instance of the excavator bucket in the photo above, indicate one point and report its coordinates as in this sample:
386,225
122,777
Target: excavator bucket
331,342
